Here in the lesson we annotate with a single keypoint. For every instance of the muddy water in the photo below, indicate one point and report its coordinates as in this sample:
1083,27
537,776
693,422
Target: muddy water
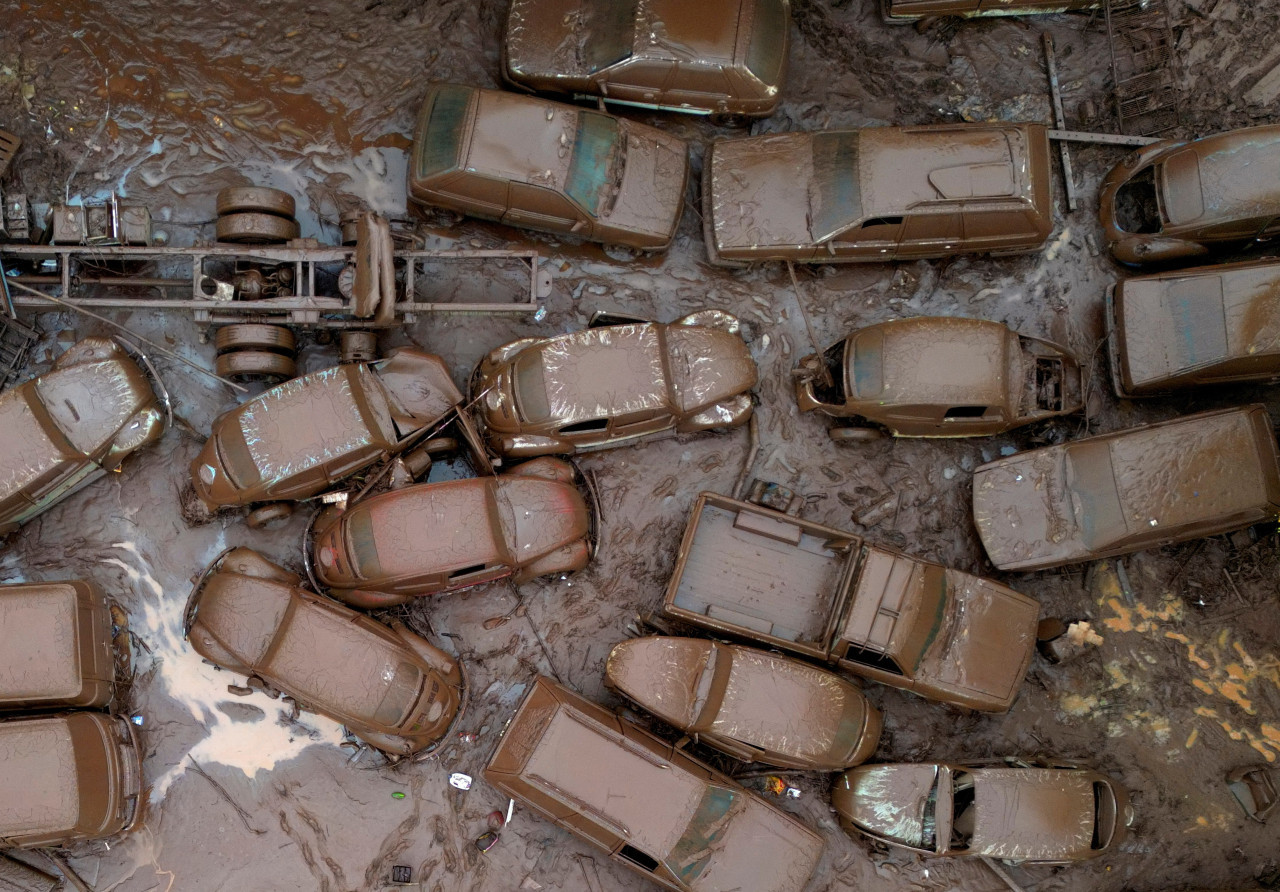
171,102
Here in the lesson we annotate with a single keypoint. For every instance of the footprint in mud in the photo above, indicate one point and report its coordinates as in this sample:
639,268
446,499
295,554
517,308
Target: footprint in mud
711,462
666,487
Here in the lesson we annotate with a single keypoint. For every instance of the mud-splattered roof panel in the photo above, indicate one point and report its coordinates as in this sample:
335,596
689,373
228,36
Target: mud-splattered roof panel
603,372
1232,175
946,361
697,31
523,139
26,449
38,776
900,167
1032,813
39,657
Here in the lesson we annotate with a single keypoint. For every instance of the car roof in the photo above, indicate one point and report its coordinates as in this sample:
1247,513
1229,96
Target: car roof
944,361
39,644
242,612
706,30
27,448
1032,813
604,372
39,778
1223,177
91,401
650,798
522,138
1177,321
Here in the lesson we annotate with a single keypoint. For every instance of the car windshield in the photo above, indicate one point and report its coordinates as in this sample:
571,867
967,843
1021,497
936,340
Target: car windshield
236,459
597,161
530,386
1094,497
513,532
440,137
612,28
87,404
835,196
695,849
768,38
401,691
868,365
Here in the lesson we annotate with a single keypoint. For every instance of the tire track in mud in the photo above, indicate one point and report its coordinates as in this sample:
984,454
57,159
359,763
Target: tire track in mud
314,851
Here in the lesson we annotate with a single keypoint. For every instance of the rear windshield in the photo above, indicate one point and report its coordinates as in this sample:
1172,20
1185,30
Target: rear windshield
868,365
768,38
364,550
693,852
612,29
835,197
440,138
530,387
1094,497
591,172
400,695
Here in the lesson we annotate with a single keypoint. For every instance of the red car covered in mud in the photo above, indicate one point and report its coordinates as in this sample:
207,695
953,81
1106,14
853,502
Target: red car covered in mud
440,537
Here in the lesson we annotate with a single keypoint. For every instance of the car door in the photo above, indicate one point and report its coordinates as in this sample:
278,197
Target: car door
930,232
475,194
537,207
586,434
699,85
639,81
874,238
639,424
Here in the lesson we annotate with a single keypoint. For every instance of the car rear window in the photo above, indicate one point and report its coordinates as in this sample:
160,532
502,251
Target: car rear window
612,29
694,850
768,39
835,195
868,365
531,387
364,550
439,141
399,696
591,171
1094,496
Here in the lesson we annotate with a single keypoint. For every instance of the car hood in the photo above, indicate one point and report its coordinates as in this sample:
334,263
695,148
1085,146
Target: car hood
1023,511
555,38
988,643
660,674
1033,814
762,849
887,801
759,191
651,194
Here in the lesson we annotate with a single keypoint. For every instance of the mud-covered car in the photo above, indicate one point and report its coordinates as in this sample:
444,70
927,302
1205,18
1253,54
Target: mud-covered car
652,808
1195,476
70,426
543,165
913,10
610,385
392,688
57,646
440,537
1195,327
1177,199
1013,809
725,58
306,435
68,778
936,376
754,705
878,194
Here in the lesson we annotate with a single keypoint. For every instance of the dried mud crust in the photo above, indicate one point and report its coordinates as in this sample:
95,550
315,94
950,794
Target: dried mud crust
1180,691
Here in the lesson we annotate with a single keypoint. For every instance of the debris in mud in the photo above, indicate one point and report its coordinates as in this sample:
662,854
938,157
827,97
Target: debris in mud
1255,790
460,781
1061,642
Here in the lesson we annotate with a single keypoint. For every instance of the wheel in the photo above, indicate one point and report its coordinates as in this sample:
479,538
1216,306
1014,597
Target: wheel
267,514
855,434
253,228
738,121
440,445
254,336
259,199
244,365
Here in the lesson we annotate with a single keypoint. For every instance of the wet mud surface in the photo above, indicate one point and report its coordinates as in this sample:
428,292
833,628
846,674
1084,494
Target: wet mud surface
171,102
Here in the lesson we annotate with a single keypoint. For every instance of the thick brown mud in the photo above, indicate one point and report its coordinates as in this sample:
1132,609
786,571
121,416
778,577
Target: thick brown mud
168,103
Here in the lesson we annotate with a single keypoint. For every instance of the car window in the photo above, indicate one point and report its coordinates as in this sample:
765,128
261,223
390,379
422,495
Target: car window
702,79
441,138
691,855
596,160
477,188
612,27
962,412
399,696
835,195
768,40
868,365
531,386
236,459
581,427
643,74
542,202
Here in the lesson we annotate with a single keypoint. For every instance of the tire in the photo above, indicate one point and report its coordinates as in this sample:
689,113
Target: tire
254,336
245,365
264,515
855,434
255,199
255,229
440,445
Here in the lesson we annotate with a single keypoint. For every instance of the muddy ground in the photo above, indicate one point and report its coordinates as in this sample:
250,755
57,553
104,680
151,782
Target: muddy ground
169,102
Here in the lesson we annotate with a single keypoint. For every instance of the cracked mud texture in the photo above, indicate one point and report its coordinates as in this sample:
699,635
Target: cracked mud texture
172,102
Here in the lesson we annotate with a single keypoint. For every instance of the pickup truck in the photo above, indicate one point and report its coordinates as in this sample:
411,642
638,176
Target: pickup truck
767,577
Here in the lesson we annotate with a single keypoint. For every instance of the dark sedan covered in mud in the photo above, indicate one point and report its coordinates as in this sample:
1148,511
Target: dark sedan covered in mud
725,58
1177,199
611,385
1195,476
1195,327
649,806
938,377
544,165
1014,809
440,537
70,426
303,436
754,705
390,687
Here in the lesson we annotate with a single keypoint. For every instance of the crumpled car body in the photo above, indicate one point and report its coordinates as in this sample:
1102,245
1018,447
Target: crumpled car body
1199,475
542,165
913,10
1177,200
56,646
1014,809
878,194
754,705
70,426
302,437
726,57
612,385
68,778
441,537
941,377
653,809
1195,327
392,688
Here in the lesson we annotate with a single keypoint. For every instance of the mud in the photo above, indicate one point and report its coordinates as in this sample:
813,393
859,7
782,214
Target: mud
171,102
